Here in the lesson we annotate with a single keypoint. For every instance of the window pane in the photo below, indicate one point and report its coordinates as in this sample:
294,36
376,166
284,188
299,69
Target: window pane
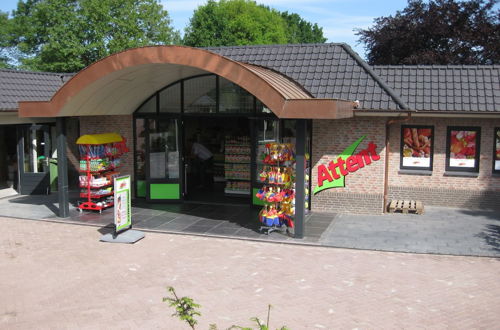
149,106
170,99
164,150
140,148
200,95
261,108
34,147
463,148
417,147
233,98
267,132
496,165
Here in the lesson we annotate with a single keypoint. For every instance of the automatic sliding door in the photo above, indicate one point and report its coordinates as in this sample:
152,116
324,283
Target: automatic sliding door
163,172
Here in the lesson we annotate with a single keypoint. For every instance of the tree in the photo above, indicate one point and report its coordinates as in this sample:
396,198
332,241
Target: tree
68,35
4,56
244,22
437,32
300,31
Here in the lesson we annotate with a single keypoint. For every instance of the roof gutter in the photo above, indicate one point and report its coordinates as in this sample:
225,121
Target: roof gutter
402,105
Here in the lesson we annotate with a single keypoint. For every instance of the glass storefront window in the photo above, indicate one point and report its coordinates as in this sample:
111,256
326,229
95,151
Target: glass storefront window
34,150
140,148
496,151
170,99
262,109
200,95
233,98
267,132
149,106
164,150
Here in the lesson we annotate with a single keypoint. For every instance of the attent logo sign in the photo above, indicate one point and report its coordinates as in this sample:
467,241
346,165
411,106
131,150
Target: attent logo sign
334,173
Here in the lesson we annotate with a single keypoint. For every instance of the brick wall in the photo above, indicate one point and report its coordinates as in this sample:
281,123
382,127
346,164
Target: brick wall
478,192
112,124
363,191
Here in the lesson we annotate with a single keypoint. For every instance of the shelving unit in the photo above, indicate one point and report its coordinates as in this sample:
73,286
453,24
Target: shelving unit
237,165
99,162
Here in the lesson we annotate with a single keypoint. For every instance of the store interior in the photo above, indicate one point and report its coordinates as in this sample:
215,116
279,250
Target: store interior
8,157
217,153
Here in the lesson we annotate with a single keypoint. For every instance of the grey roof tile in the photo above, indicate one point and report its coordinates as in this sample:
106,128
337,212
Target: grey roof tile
18,86
459,88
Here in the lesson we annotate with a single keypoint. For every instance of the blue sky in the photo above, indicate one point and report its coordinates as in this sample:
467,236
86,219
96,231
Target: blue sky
338,18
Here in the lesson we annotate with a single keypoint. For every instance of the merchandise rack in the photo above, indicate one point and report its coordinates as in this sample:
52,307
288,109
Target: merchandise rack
99,160
278,192
237,165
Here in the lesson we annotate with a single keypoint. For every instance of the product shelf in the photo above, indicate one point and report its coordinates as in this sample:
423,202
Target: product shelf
96,151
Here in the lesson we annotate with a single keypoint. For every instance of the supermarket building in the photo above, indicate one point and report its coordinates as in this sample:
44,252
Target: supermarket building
364,135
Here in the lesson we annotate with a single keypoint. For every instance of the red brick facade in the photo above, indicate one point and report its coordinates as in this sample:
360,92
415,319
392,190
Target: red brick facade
364,189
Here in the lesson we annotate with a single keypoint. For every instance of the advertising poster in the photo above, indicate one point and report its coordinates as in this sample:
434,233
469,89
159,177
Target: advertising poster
463,149
417,147
123,214
497,149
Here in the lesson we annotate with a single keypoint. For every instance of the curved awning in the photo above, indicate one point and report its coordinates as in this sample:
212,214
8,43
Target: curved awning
119,83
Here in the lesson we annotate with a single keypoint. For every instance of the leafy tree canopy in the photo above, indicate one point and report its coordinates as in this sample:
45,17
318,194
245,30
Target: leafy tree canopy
68,35
299,31
244,22
436,32
4,59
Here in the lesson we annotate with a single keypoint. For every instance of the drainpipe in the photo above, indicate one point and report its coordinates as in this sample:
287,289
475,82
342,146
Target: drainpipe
387,153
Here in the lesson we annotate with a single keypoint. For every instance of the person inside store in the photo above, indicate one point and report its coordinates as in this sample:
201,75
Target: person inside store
202,164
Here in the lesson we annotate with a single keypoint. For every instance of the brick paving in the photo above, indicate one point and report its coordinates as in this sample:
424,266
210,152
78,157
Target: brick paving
58,276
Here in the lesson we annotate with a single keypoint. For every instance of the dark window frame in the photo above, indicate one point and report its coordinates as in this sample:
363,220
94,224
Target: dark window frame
496,135
428,168
474,169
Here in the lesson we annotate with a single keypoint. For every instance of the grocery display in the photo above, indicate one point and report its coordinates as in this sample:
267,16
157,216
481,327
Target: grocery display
278,192
99,160
237,165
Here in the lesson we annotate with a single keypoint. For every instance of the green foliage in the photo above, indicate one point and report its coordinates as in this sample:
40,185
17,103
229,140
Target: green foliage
185,308
4,35
300,31
68,35
244,22
436,32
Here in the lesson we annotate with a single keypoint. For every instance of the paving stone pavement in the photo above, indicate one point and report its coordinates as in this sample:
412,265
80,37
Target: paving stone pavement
58,276
439,230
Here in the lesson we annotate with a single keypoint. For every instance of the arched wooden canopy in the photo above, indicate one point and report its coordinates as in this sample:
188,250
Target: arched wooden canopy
119,83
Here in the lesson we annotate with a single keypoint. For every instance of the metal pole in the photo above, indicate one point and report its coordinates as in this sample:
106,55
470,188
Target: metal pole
300,151
62,168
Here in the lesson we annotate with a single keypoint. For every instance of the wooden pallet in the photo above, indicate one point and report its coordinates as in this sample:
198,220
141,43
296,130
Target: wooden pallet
406,206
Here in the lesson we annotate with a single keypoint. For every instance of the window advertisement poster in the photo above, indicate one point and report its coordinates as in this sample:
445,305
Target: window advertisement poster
463,148
497,150
123,207
417,146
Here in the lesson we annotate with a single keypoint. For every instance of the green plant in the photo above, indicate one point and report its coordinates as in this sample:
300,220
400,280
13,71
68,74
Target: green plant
186,311
185,307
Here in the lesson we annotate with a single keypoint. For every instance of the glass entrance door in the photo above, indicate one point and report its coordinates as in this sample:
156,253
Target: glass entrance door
163,166
33,159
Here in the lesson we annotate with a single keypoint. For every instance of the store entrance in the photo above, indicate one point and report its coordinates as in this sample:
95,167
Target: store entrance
217,159
8,158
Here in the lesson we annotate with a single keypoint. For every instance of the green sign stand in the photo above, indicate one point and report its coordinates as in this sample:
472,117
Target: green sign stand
123,214
122,204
